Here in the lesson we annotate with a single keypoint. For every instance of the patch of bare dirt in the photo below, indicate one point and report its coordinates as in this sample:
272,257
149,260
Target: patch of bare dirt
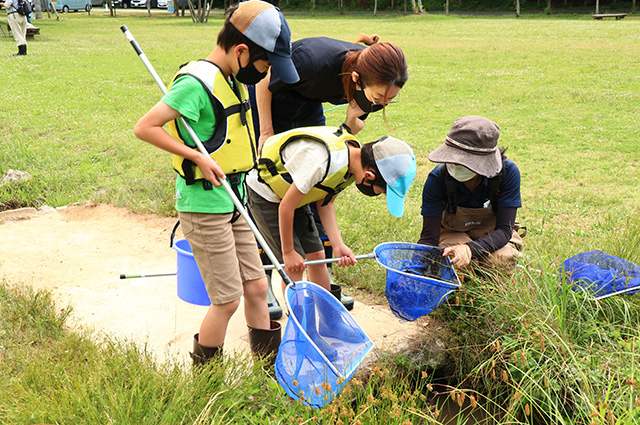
79,252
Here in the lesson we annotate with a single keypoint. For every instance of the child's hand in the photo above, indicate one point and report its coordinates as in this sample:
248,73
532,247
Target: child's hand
460,255
210,169
293,261
346,256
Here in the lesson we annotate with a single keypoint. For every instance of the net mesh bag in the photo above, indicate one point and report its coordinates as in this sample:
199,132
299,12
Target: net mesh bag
601,274
419,278
321,348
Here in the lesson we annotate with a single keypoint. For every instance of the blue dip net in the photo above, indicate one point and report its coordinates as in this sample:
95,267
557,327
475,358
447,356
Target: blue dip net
419,278
321,348
601,274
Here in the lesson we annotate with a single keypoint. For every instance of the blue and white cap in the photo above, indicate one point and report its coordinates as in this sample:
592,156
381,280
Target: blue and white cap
397,166
265,25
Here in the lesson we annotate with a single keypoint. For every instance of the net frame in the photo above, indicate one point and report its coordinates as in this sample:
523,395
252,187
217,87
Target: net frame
601,274
317,390
398,276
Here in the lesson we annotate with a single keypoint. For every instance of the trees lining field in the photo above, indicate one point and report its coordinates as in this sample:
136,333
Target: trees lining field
454,5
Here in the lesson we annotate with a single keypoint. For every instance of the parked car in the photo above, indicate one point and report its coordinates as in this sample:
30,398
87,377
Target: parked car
121,3
162,4
97,3
138,3
75,5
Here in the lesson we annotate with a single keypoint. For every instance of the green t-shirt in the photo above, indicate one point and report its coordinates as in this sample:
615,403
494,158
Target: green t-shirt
188,97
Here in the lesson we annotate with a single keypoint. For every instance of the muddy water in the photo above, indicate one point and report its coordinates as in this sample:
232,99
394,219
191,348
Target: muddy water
453,414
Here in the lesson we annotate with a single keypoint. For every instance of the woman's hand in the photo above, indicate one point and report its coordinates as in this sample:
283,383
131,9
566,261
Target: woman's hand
346,256
460,255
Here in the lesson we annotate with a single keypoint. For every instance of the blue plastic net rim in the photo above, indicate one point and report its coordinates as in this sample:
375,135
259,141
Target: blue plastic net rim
452,285
307,285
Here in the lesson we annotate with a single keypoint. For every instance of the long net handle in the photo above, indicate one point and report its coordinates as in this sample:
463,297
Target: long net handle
202,149
326,261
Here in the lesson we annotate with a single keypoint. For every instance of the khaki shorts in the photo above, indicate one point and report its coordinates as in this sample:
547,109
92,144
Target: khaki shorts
305,233
226,254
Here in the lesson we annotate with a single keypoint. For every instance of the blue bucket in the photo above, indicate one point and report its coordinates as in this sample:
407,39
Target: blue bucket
190,284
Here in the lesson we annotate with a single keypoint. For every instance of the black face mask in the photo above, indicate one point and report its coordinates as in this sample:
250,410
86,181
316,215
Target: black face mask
365,104
249,75
366,189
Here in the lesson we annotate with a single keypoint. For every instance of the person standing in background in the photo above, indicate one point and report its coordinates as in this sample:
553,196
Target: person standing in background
18,24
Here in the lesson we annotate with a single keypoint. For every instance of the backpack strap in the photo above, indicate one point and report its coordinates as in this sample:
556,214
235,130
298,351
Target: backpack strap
450,184
494,186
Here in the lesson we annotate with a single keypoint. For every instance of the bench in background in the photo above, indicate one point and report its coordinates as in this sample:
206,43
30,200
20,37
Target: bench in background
31,31
610,15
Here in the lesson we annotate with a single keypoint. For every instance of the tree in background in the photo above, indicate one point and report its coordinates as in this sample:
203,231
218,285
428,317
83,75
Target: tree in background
199,10
37,9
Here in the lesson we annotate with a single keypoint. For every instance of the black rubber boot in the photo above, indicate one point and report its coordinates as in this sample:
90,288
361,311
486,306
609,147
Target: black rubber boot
346,300
202,354
22,50
265,342
275,311
336,291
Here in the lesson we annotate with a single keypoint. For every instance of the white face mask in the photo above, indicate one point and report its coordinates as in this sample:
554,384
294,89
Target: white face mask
460,172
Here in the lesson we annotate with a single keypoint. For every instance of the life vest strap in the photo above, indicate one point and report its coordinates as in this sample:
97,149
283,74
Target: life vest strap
331,192
271,166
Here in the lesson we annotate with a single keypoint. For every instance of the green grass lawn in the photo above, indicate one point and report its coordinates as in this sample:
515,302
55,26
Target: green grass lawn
565,91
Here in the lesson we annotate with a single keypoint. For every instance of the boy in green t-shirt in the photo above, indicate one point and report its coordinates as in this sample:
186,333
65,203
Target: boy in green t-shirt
210,95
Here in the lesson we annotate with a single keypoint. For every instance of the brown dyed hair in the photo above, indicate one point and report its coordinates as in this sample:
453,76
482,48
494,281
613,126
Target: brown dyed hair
378,64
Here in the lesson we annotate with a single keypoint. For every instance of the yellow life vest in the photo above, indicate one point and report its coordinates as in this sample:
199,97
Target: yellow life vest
232,144
272,172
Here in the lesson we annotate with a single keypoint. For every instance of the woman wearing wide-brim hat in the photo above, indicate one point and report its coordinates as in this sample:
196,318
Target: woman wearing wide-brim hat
470,200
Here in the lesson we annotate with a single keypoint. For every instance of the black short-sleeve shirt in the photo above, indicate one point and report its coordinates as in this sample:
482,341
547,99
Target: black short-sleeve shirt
318,61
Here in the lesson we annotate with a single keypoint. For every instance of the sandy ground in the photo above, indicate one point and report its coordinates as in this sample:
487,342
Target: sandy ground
79,252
